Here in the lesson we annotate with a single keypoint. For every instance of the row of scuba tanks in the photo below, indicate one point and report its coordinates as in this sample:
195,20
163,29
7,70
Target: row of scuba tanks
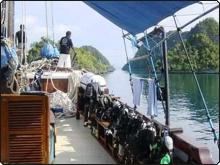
132,137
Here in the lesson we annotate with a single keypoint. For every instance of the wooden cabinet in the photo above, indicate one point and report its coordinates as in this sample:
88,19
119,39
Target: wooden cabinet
24,128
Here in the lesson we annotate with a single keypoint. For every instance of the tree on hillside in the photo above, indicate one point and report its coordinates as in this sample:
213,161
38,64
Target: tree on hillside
208,51
91,59
209,27
202,43
97,54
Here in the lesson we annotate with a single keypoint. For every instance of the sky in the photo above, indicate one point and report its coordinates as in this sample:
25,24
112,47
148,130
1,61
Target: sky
88,27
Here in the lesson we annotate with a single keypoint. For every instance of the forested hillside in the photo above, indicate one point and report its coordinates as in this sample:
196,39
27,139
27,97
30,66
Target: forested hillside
88,58
202,42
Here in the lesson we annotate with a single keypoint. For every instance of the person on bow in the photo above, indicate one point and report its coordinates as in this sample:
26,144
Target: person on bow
20,40
65,45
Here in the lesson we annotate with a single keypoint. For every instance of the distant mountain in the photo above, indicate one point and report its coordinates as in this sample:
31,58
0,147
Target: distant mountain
208,27
88,57
92,60
203,45
97,54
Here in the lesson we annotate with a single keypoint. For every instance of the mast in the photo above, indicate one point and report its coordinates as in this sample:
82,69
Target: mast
166,77
10,19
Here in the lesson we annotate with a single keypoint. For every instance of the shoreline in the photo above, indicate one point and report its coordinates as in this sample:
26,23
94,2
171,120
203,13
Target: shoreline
176,72
188,72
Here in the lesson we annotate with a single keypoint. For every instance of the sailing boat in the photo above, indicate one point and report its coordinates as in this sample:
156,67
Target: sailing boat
182,150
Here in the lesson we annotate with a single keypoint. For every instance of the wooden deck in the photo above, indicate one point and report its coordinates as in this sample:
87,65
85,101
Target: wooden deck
76,145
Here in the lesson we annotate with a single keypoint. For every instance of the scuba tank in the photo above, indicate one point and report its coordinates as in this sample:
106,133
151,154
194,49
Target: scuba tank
168,141
168,144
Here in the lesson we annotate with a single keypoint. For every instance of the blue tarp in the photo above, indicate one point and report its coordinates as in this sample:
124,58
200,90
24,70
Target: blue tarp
8,54
137,16
48,51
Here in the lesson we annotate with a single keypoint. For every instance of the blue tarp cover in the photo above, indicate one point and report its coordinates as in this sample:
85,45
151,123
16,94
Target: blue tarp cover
48,51
137,16
7,54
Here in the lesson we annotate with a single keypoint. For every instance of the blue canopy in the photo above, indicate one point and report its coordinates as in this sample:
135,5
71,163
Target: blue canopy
137,16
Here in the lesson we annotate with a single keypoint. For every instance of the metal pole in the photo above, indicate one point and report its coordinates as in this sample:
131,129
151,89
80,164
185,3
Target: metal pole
129,65
196,80
10,20
52,23
188,23
46,19
166,77
25,34
22,34
126,53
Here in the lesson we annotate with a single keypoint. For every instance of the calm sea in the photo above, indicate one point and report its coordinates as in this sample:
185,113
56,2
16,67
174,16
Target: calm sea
186,108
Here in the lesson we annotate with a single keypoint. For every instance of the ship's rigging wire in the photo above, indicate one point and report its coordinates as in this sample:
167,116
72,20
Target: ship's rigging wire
129,65
196,80
52,17
53,40
25,43
22,32
46,19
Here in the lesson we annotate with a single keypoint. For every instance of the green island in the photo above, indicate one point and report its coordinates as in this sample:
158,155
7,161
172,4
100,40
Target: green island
202,43
88,57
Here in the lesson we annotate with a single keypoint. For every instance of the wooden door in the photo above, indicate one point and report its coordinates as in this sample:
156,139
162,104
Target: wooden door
24,129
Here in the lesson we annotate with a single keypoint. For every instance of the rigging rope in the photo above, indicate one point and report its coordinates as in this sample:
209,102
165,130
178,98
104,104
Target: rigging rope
129,65
196,80
25,43
22,34
46,19
23,58
52,23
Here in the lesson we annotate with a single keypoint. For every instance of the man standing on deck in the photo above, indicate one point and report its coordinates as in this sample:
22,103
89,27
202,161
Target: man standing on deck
20,40
65,45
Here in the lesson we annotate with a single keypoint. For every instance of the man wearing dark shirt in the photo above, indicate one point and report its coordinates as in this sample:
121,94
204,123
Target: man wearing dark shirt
20,40
65,45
